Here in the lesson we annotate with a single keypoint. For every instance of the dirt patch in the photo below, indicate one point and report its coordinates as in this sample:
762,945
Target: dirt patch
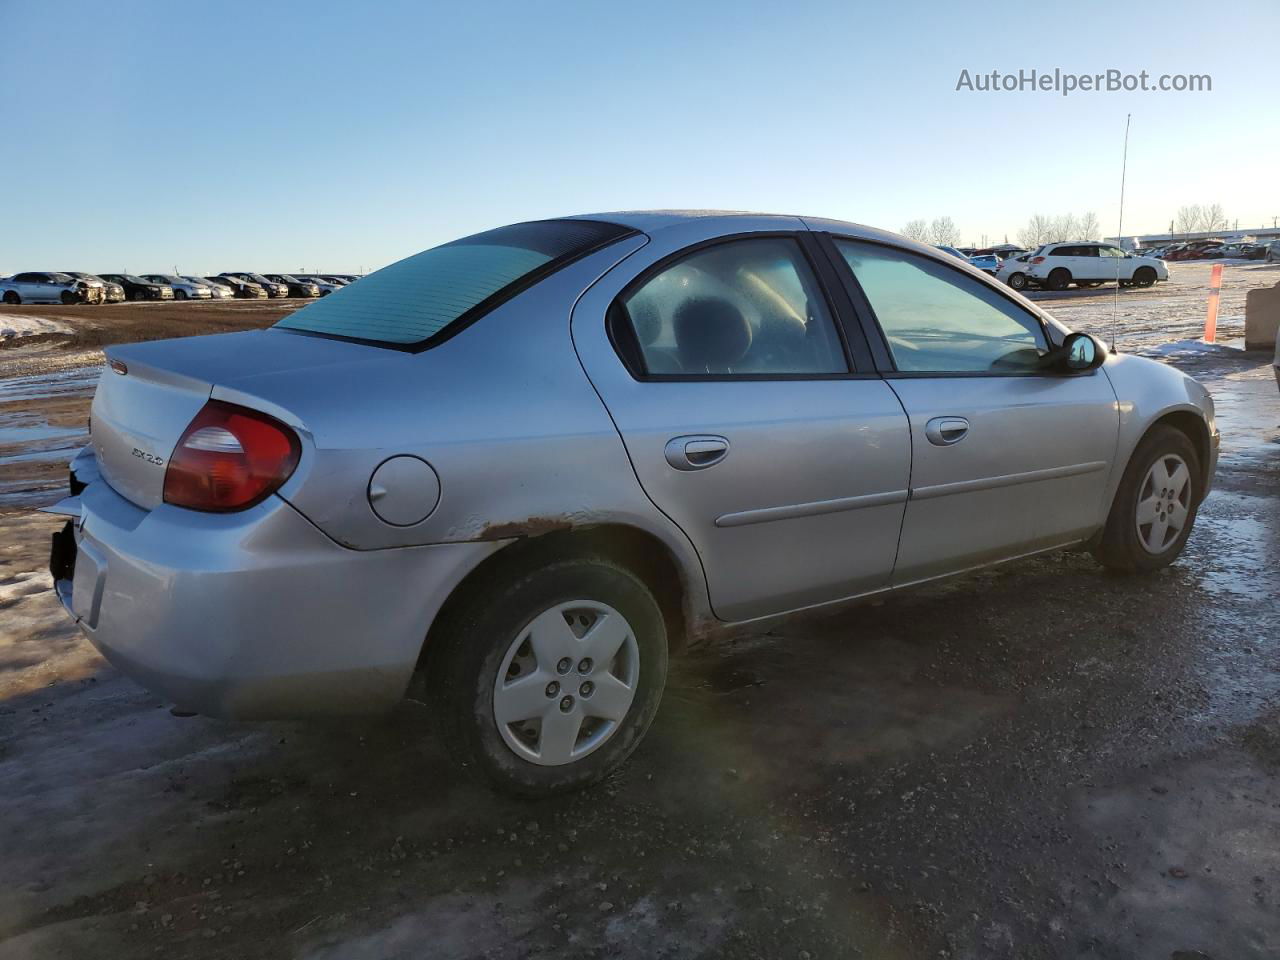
96,326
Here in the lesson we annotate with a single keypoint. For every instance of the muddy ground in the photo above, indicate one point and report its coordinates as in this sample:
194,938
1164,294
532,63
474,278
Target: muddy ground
1038,761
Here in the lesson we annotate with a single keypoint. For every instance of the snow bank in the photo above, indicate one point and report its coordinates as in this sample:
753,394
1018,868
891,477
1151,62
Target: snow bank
12,325
1189,348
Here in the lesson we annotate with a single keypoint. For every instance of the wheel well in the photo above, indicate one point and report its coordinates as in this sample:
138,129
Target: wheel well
640,552
1194,427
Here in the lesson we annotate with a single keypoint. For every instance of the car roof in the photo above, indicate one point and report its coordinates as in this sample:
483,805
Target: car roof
650,221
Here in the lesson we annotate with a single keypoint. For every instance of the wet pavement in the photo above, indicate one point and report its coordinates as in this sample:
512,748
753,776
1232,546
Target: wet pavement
1039,761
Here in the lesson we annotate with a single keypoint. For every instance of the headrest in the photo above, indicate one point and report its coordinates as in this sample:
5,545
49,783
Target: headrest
710,332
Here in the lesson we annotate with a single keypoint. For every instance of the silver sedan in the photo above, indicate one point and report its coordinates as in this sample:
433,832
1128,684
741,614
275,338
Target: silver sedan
184,288
510,474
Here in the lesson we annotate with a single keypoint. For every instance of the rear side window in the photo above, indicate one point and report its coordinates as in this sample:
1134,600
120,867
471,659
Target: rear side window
745,307
412,301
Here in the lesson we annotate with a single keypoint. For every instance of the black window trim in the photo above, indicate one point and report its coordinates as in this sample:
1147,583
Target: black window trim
622,334
494,300
875,334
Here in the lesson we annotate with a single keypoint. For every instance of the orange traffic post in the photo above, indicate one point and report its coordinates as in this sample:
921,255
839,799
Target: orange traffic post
1211,319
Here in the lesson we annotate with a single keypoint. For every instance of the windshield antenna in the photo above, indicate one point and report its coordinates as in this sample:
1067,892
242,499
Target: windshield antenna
1115,306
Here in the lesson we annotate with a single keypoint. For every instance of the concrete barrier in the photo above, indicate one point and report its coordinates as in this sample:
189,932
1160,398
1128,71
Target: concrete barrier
1261,318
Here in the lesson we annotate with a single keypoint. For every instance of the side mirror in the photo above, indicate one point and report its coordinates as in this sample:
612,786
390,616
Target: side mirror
1079,353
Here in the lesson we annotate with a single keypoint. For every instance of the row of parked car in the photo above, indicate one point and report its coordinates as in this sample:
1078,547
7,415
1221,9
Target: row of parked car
1215,250
1057,266
74,286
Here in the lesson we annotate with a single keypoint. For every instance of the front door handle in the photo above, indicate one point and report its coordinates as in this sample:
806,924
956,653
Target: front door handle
944,431
696,453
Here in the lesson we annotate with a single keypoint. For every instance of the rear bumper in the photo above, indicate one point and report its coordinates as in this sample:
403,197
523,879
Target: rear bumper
256,615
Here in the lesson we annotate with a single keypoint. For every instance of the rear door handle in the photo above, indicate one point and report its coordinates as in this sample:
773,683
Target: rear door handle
944,431
697,452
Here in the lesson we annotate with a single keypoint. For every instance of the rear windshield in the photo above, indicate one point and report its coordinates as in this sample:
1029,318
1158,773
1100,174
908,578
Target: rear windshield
410,302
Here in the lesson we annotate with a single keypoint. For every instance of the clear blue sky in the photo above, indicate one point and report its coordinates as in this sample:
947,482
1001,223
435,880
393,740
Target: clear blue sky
144,134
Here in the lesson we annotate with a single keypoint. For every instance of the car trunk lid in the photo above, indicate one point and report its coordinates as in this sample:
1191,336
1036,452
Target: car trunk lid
150,392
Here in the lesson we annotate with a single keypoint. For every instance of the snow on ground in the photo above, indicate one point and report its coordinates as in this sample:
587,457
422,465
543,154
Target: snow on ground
1187,348
1144,319
12,325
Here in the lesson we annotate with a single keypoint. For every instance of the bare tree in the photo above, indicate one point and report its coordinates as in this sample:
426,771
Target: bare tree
1035,232
1213,218
1065,227
944,232
917,230
1209,218
1188,219
1090,229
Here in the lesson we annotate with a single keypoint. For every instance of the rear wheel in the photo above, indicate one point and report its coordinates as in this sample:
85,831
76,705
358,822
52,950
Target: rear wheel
1155,507
1018,281
547,681
1144,276
1059,279
11,298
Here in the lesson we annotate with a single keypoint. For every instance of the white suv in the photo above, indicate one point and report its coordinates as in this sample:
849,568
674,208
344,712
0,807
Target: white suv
1058,265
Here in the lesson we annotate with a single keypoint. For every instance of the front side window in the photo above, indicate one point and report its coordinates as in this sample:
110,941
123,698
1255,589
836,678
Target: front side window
941,320
411,301
743,307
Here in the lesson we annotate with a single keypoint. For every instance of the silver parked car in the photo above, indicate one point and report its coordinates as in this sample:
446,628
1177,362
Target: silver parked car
184,288
217,291
511,473
51,287
326,285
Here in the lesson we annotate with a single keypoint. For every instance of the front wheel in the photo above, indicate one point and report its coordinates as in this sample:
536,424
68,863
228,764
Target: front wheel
179,294
1059,279
1018,281
546,680
1144,277
1155,507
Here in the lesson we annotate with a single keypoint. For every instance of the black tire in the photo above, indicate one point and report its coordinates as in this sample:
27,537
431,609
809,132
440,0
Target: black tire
1119,547
474,639
1059,279
12,298
1144,277
179,294
68,298
1018,281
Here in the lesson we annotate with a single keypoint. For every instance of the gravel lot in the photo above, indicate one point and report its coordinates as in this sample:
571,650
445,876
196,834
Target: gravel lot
1038,761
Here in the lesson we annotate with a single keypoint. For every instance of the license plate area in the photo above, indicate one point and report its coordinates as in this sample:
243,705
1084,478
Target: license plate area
62,555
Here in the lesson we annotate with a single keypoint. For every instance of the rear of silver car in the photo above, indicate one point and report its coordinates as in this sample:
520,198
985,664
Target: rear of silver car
254,613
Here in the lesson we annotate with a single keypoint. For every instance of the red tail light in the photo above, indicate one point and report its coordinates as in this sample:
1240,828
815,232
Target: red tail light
1037,259
230,458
